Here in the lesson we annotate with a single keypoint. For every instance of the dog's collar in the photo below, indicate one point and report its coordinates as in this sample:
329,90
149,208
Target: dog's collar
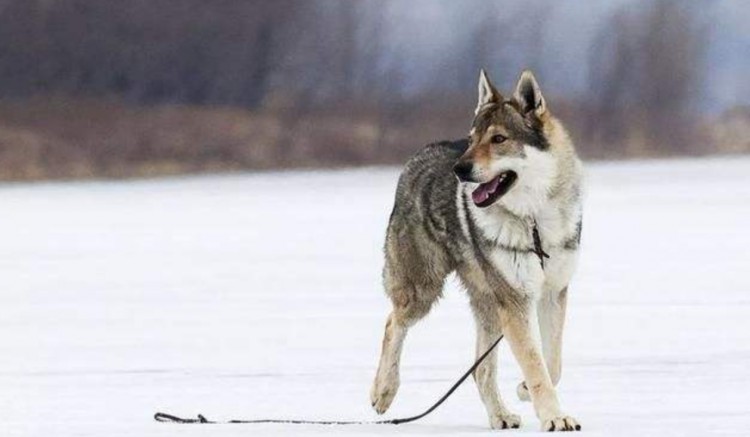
538,249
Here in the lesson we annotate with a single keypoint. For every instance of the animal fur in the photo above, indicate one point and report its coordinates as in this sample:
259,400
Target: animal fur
470,207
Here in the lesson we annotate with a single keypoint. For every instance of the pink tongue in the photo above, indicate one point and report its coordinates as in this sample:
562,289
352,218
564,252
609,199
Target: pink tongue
483,191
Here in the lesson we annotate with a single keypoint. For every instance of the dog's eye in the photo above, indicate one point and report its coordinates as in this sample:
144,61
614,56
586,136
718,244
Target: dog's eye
497,139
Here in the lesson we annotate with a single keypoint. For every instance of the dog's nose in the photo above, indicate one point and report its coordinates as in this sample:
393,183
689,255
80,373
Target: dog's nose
463,170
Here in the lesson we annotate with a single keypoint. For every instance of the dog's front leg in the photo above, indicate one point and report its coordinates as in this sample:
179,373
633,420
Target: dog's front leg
484,376
522,331
551,323
551,313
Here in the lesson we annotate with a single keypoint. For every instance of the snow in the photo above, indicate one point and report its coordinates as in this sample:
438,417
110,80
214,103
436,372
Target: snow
252,296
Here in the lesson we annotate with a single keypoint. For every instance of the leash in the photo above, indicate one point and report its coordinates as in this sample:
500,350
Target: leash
164,417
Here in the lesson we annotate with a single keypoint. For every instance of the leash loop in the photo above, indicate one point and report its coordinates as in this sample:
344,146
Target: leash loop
164,417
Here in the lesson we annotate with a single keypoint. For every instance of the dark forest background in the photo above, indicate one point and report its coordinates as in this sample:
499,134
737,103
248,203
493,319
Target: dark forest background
113,88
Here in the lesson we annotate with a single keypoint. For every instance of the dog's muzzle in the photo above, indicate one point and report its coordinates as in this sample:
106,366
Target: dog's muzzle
464,170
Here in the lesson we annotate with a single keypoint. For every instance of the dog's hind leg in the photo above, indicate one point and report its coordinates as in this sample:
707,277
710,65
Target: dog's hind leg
387,380
405,314
487,320
412,293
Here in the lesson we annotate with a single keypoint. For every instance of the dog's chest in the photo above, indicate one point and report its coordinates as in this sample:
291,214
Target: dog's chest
516,256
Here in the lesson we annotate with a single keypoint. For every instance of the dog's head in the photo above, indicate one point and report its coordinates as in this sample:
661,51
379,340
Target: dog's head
509,149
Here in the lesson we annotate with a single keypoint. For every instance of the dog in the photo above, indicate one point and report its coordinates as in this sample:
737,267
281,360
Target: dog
503,210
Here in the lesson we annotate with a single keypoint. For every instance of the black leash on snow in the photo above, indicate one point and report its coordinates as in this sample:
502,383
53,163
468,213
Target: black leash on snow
164,417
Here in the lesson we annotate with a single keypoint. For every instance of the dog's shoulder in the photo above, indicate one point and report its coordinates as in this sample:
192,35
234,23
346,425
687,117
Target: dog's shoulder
433,163
456,147
427,187
441,152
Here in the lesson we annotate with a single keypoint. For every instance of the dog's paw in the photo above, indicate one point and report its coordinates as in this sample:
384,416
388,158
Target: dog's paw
382,393
505,420
523,392
561,423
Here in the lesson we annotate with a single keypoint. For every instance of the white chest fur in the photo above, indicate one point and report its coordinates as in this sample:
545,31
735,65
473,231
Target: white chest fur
557,224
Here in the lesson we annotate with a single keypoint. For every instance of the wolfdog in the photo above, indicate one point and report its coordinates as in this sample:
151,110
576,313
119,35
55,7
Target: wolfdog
502,209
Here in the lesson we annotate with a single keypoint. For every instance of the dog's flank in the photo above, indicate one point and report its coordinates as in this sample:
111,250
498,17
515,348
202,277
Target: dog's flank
472,207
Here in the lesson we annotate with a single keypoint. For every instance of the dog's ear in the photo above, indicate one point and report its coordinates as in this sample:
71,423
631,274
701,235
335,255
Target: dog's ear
487,92
528,95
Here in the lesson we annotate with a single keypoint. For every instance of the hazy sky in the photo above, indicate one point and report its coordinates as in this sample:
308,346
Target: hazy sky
425,30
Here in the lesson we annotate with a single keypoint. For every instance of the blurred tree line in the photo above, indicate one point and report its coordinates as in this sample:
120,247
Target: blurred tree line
226,52
153,86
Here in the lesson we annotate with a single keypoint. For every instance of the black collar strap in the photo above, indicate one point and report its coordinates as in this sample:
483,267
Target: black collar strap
538,250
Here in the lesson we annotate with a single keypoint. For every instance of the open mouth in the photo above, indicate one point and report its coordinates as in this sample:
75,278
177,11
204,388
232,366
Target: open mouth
487,193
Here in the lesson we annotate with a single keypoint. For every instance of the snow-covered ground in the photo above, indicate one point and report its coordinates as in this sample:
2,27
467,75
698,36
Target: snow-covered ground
259,296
